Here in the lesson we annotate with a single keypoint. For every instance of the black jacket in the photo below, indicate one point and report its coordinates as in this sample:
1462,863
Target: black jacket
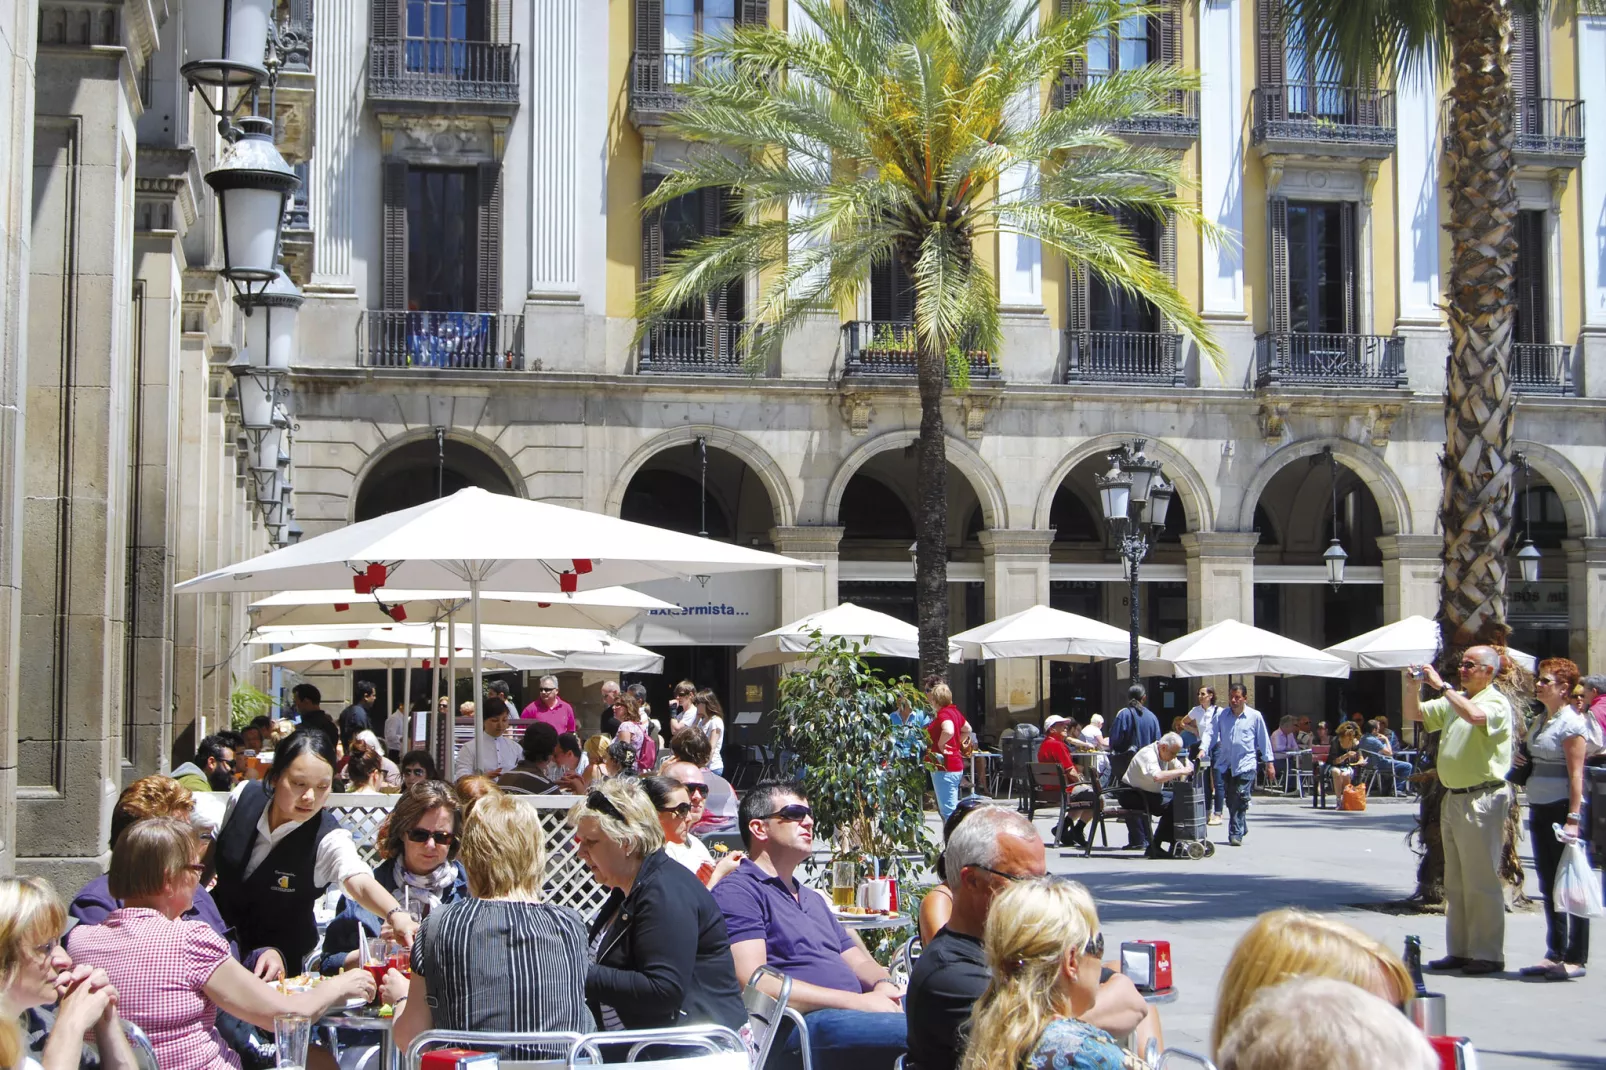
667,960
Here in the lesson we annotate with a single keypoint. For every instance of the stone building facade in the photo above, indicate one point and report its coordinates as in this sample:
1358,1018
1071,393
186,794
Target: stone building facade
470,245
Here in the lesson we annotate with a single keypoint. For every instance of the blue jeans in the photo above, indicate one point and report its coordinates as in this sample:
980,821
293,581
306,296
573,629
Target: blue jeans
1240,786
946,787
845,1040
1215,790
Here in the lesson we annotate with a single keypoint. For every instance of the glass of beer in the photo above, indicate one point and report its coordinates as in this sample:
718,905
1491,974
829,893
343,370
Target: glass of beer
844,891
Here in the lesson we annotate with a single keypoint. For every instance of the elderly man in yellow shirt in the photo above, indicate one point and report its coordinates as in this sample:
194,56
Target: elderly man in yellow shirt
1475,726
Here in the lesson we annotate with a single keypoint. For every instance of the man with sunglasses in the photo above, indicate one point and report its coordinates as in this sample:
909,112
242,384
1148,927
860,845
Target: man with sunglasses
212,769
548,707
849,1003
1474,754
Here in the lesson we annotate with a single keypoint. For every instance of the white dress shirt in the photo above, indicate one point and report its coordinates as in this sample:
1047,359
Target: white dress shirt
486,753
337,861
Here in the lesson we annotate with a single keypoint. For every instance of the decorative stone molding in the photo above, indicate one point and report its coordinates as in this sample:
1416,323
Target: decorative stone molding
806,541
1220,544
1016,542
442,140
294,103
165,181
856,412
203,308
1380,422
1411,547
973,409
1321,178
1273,422
130,24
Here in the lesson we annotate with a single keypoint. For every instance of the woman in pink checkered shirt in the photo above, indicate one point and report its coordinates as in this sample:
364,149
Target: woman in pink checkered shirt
172,975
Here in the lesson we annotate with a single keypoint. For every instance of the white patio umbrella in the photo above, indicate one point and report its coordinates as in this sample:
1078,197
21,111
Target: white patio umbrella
1232,648
315,655
580,649
606,607
458,637
875,632
1051,634
486,541
1411,641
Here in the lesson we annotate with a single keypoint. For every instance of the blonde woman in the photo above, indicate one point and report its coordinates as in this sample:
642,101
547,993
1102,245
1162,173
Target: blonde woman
947,730
1354,1030
501,961
1345,757
596,749
1284,944
1043,949
35,970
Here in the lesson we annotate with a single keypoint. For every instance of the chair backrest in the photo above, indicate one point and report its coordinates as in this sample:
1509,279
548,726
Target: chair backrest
713,1047
1319,752
1182,1057
557,1046
144,1051
1049,777
731,841
765,1012
1304,761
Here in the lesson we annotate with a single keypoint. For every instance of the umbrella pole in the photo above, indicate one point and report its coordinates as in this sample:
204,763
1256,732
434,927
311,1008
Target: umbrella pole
443,725
479,672
1042,694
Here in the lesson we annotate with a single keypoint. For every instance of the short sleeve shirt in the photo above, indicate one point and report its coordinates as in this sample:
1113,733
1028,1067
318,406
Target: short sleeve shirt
337,861
801,938
1146,765
1070,1044
949,977
1469,754
953,759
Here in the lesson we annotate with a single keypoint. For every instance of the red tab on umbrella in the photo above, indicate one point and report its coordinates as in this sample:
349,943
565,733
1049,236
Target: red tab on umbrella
341,607
543,605
361,584
351,644
568,582
424,664
348,661
582,565
377,573
334,663
398,614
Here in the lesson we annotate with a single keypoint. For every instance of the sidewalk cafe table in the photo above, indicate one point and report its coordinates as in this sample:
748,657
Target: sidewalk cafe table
978,769
364,1018
861,922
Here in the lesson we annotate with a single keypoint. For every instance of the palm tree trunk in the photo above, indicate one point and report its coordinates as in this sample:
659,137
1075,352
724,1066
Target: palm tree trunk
1475,511
931,515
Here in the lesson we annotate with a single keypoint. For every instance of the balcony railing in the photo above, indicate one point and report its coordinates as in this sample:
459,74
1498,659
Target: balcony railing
880,347
1329,360
1324,112
474,341
1544,126
1542,369
693,346
419,68
1181,118
1123,357
655,78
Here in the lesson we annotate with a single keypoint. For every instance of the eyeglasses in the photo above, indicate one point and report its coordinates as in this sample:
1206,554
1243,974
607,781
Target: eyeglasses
415,771
1545,680
679,811
48,948
546,690
695,789
442,839
1011,877
1095,946
1468,664
196,867
794,812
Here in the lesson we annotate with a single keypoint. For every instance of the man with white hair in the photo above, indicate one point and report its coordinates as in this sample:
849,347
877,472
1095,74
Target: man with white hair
990,850
1355,1030
1152,768
549,708
1474,754
610,695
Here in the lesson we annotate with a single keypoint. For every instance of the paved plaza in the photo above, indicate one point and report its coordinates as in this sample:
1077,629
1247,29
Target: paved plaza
1329,861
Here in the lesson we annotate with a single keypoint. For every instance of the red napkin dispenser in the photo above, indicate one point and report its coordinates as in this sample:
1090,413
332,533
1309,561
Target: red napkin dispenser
1148,964
459,1059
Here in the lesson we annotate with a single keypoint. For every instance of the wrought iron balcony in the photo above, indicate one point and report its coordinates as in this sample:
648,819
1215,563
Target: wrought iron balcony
1180,119
1549,130
881,347
1298,117
1123,357
1348,360
693,347
429,69
472,341
1541,369
654,80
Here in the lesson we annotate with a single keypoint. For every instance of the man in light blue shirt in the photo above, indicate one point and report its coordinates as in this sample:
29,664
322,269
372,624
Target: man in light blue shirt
1240,739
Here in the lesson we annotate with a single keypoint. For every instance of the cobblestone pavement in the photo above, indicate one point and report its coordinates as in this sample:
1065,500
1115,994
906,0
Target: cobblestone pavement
1331,862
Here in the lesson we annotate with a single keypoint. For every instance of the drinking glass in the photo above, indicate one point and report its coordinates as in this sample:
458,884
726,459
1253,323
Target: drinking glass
844,892
290,1034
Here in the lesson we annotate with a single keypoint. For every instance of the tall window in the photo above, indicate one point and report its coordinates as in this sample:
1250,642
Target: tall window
1533,302
1112,309
1313,78
892,292
681,223
440,33
1130,44
442,239
685,19
1320,268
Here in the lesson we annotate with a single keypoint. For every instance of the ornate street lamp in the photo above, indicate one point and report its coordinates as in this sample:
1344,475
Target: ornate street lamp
253,185
1528,556
1135,499
270,322
228,40
1334,557
258,390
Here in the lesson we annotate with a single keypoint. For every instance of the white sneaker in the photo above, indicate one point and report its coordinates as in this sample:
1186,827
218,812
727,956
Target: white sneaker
1215,819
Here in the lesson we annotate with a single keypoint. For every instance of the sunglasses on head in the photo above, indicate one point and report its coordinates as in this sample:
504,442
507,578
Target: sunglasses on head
680,810
1095,946
599,802
794,812
694,788
444,839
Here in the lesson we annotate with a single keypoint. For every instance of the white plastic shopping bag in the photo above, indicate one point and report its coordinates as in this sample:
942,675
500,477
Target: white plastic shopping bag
1577,888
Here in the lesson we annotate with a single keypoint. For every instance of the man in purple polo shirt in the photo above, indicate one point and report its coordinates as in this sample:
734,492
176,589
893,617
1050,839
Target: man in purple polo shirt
852,1008
549,708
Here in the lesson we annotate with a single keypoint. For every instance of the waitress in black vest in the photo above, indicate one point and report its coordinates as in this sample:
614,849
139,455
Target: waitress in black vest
278,850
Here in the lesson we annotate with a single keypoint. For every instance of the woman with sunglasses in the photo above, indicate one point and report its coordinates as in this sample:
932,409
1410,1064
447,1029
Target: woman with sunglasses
672,800
418,766
1044,949
278,850
1556,747
661,955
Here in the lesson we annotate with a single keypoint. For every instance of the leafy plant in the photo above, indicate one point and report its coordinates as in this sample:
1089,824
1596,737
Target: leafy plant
246,704
864,774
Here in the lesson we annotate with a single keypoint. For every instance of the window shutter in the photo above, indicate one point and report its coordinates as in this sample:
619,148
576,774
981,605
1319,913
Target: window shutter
1169,24
394,268
649,58
1348,253
385,16
1525,71
716,305
1270,57
1532,306
488,281
1166,260
755,13
1278,303
652,233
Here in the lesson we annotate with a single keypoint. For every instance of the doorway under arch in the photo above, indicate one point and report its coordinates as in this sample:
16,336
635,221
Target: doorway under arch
423,470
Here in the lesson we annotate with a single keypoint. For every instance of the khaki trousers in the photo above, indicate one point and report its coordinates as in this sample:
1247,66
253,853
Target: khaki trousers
1473,827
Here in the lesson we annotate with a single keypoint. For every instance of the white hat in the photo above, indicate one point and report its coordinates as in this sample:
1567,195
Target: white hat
1050,722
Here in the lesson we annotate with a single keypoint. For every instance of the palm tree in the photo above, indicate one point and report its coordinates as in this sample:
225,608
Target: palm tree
1471,40
884,133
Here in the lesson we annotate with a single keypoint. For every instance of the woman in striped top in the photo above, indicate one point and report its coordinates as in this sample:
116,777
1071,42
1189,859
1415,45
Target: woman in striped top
1555,797
502,961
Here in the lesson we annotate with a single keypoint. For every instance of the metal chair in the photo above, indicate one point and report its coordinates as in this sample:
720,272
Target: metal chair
1298,769
903,960
144,1051
1182,1057
765,1013
719,1048
561,1044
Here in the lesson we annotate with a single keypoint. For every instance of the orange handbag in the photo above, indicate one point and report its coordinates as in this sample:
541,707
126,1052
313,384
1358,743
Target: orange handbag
1354,798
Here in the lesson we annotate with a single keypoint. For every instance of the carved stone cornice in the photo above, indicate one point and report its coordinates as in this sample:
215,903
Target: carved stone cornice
1380,422
856,412
442,140
165,184
88,24
203,304
1273,422
294,104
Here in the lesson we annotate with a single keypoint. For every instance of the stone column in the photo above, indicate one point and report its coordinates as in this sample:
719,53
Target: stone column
1223,110
1586,602
800,593
1015,568
1412,568
1591,365
80,392
339,187
1221,584
17,36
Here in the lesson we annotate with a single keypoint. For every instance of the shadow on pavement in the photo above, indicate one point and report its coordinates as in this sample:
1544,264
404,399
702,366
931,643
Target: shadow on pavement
1401,821
1204,895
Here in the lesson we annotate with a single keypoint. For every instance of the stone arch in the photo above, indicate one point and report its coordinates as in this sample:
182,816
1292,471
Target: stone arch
1191,489
1392,502
740,446
489,450
963,456
1583,516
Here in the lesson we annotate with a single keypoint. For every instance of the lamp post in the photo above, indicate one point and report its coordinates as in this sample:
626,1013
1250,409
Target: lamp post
1334,556
1135,499
1527,553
